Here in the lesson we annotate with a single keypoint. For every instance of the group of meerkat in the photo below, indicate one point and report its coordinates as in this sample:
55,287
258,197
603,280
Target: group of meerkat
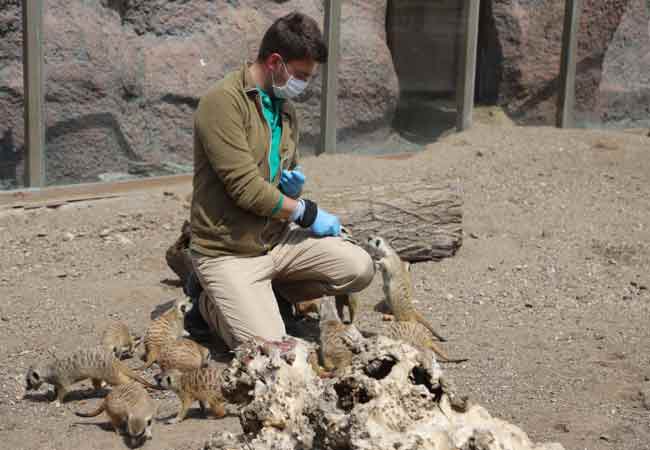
339,341
183,363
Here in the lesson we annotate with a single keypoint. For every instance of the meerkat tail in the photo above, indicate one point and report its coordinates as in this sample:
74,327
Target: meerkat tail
444,357
429,327
134,376
94,413
456,360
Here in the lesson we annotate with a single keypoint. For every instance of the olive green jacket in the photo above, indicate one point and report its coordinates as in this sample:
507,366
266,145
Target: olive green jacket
233,198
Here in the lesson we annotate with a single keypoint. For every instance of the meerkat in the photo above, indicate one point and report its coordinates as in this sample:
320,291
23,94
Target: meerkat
418,336
398,288
117,338
96,364
166,328
202,384
306,307
183,354
128,405
351,301
338,341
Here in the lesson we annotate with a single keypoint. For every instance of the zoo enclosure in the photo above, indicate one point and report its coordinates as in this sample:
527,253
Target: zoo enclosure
447,95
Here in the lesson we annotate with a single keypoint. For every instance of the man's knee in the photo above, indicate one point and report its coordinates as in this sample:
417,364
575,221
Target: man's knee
362,270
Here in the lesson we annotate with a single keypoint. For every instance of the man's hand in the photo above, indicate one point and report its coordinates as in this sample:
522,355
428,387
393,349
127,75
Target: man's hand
308,215
291,182
326,224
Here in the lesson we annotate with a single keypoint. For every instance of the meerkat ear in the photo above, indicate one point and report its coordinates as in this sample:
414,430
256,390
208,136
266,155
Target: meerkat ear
407,266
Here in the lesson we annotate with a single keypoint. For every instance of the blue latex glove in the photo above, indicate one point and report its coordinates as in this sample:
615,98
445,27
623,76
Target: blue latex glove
291,182
326,224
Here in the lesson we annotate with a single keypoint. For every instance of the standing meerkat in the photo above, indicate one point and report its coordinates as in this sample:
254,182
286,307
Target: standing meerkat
117,338
183,354
164,329
202,384
398,287
338,341
96,364
128,405
418,336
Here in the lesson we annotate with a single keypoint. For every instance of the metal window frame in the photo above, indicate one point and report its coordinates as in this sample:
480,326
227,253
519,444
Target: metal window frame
466,80
33,86
33,73
565,117
328,116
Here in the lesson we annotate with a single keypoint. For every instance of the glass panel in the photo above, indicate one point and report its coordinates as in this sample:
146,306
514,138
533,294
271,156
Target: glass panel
397,74
613,69
12,129
124,78
518,62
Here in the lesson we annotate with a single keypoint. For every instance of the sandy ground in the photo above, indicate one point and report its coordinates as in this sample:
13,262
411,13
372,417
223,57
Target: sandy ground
548,296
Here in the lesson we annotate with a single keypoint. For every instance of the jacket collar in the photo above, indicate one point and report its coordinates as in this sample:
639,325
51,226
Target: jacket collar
250,88
247,80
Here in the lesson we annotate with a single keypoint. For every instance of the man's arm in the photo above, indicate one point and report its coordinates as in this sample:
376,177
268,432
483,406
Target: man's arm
220,126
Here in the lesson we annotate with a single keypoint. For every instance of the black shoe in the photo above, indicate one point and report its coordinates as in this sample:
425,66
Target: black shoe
194,322
192,287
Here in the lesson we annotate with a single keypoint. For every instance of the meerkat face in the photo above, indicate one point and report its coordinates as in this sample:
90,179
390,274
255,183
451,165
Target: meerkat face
378,247
117,351
205,356
169,380
33,379
139,429
183,306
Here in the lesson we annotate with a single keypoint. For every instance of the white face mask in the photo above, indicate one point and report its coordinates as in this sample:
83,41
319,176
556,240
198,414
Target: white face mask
292,88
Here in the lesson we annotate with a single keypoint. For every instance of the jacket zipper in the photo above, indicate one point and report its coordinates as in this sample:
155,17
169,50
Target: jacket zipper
268,162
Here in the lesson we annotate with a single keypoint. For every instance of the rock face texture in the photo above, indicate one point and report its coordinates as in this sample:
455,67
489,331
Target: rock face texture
613,54
392,396
123,76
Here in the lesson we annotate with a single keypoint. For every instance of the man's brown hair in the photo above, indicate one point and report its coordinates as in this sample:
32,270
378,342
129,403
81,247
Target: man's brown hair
294,36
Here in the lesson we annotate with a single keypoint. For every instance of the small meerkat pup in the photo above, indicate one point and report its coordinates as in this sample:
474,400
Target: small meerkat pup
166,328
96,364
202,384
128,405
117,338
398,287
419,336
183,354
338,341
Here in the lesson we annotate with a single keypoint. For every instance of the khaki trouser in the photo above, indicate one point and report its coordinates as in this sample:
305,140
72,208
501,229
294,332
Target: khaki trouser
238,302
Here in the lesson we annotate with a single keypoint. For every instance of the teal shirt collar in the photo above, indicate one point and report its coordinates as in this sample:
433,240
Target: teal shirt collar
268,101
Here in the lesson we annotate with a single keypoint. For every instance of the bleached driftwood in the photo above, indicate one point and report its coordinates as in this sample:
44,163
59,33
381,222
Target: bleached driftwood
391,397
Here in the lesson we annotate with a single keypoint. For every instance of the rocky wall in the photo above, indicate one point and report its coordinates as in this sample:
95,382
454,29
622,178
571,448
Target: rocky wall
123,76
